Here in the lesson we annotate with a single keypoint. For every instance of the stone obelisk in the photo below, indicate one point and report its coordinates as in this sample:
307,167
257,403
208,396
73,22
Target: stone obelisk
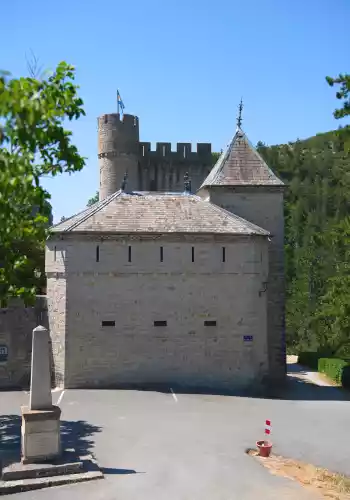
41,420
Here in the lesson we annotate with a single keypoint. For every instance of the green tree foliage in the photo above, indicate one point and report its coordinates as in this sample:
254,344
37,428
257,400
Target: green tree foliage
317,240
93,200
33,143
343,94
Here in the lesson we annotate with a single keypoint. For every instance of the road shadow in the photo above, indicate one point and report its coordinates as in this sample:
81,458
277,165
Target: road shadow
295,387
111,470
75,434
299,388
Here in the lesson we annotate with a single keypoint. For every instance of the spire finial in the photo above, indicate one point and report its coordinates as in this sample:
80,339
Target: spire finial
187,183
239,117
124,182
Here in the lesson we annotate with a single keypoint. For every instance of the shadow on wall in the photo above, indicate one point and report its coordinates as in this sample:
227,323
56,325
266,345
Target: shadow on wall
75,434
16,325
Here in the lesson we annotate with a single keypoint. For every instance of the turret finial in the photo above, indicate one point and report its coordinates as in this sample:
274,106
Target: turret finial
187,183
124,182
239,117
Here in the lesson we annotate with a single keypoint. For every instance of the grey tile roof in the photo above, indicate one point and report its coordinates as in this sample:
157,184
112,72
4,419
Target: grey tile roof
156,213
241,165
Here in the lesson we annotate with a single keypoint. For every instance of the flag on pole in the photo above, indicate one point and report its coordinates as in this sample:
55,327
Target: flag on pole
120,102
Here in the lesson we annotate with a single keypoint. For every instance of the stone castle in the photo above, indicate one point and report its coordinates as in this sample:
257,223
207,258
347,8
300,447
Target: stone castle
120,151
170,280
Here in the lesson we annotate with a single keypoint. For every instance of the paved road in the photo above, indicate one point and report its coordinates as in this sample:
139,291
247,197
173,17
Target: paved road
181,446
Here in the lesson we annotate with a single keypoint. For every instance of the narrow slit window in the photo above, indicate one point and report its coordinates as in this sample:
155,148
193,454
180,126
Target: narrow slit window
184,151
161,254
160,323
210,322
54,254
163,150
223,254
129,254
143,150
97,254
192,254
108,323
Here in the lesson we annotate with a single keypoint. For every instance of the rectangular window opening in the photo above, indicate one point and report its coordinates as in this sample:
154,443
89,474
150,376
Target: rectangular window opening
161,254
160,323
223,254
210,322
163,150
143,150
108,323
129,254
54,254
97,254
192,254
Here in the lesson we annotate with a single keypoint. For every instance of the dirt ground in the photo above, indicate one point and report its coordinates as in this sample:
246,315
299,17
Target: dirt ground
328,484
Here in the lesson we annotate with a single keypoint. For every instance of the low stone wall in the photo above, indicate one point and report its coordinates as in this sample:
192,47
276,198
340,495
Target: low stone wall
16,325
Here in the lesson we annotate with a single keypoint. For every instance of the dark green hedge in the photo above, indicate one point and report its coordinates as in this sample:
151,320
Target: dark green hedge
335,368
332,367
345,378
309,358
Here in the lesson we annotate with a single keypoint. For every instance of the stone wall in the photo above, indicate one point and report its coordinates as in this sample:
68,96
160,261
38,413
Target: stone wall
16,325
104,314
264,206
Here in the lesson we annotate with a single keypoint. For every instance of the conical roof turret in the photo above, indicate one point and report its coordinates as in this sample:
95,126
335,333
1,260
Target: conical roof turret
241,165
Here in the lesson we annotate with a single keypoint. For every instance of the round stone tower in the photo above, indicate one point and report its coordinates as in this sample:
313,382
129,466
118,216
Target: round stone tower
118,152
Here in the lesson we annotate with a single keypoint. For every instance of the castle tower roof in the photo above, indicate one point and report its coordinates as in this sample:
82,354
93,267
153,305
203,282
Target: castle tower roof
241,165
143,212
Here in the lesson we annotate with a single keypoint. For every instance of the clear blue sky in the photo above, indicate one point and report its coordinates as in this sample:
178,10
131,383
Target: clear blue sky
182,67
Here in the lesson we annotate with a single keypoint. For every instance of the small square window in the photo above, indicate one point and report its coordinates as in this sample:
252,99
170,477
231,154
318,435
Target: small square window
160,323
108,323
210,322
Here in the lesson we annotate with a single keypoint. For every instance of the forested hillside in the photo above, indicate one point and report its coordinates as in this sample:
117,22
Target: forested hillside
317,236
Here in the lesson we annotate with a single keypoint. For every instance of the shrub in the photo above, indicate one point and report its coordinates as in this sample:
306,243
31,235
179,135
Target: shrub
345,378
309,358
333,368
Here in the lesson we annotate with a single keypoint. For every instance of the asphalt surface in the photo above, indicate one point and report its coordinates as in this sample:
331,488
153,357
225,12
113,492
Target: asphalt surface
180,446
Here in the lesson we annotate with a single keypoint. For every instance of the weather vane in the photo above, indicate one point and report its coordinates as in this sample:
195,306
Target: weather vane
239,118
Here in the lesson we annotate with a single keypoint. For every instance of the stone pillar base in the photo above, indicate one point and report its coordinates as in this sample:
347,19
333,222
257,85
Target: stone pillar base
40,434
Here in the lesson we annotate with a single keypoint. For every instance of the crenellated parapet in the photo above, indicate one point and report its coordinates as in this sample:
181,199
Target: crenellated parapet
120,151
182,153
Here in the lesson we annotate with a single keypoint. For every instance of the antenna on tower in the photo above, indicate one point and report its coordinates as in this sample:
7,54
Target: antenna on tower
239,117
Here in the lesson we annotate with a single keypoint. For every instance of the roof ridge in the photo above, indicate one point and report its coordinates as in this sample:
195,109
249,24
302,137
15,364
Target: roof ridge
256,152
233,165
94,209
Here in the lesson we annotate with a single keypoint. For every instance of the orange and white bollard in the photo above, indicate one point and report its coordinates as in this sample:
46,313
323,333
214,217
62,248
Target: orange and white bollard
264,446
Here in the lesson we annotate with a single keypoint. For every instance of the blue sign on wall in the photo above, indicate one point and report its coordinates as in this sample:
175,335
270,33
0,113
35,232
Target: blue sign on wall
3,352
248,338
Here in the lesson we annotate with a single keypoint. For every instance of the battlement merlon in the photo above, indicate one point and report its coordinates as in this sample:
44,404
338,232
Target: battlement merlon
183,150
118,121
